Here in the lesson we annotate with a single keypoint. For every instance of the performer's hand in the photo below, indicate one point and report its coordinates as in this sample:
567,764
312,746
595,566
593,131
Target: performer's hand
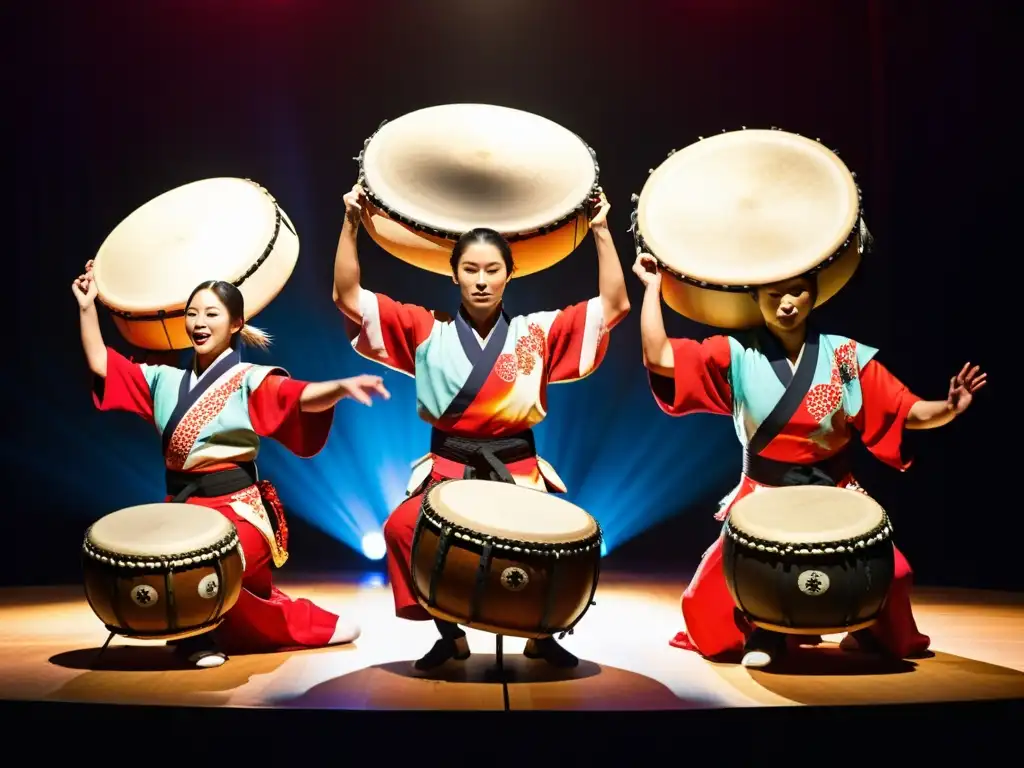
354,204
84,287
361,388
600,218
646,268
963,386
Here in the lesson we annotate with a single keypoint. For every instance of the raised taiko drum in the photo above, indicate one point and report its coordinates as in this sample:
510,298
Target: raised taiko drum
743,209
808,559
435,173
162,571
213,229
505,559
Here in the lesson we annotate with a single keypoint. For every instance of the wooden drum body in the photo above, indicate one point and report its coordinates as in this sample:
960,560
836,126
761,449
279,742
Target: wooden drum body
745,209
214,229
505,559
162,571
808,560
435,173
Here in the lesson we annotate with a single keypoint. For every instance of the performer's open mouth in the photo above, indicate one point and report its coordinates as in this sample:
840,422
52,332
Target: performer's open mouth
200,337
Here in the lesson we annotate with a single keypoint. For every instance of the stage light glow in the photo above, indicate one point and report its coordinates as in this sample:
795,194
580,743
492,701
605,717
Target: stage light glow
604,548
374,547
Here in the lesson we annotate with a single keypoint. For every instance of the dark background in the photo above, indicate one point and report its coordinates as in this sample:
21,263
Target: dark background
116,102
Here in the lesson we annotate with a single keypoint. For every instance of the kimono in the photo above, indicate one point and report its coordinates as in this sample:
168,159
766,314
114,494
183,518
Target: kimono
210,426
481,397
794,422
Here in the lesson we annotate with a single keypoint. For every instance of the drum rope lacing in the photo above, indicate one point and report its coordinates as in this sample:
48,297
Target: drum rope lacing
194,557
449,235
859,228
587,544
880,533
162,315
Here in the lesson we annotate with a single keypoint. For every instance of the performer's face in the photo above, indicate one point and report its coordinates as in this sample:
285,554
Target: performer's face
481,276
208,324
787,304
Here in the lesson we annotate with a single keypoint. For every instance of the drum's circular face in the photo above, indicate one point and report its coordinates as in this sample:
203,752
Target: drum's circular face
460,166
159,530
511,512
805,514
214,229
748,208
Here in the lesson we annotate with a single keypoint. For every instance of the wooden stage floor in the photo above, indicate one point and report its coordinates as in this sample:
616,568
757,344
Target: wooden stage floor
49,638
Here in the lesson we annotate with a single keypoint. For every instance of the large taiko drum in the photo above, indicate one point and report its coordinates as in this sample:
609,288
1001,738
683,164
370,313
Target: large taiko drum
808,560
744,209
505,559
162,571
437,172
214,229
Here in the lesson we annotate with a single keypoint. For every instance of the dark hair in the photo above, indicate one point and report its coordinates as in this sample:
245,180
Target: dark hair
234,303
488,237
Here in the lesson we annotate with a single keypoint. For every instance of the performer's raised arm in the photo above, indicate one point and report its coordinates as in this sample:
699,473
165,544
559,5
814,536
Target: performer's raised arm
610,279
84,288
346,258
686,376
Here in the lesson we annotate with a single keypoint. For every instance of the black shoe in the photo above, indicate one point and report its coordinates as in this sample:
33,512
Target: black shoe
444,650
863,640
200,650
548,649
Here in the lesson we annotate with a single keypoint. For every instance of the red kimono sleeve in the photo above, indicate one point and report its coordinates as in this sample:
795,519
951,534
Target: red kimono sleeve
391,331
275,412
124,388
886,401
576,342
700,380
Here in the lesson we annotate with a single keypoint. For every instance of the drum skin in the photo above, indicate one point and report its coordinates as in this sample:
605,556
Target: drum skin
530,255
815,594
185,601
168,237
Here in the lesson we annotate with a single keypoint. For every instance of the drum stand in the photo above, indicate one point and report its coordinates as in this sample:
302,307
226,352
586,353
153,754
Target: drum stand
498,673
103,650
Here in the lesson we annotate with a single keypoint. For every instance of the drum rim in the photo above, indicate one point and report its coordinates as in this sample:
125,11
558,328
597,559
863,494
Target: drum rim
878,534
572,547
444,234
143,564
164,314
641,245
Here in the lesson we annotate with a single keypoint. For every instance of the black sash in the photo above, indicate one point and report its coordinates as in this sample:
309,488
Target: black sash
184,485
482,360
188,397
485,458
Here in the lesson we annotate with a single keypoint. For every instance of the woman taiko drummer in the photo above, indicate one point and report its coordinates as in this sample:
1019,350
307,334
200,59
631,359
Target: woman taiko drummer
481,383
211,417
794,416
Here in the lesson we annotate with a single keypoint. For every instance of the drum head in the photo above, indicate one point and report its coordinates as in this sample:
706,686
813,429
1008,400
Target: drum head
748,208
459,166
806,514
159,530
509,511
214,229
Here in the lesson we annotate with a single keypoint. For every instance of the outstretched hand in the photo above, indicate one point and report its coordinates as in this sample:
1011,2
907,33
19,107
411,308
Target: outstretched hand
361,388
963,386
84,287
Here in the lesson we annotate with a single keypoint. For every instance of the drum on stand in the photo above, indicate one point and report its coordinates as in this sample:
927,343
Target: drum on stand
505,559
437,172
808,560
214,229
743,209
162,571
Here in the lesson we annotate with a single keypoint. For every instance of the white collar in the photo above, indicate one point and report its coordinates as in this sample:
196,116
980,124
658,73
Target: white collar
192,370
